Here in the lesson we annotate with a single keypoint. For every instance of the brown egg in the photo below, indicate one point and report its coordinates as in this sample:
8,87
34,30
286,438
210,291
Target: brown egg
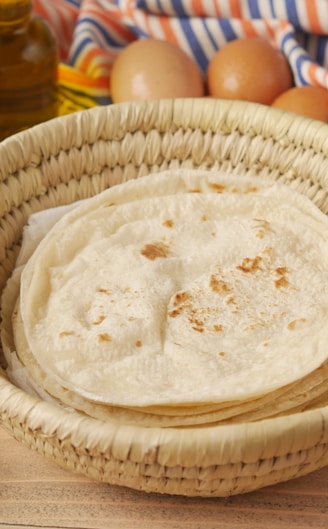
250,69
309,101
154,69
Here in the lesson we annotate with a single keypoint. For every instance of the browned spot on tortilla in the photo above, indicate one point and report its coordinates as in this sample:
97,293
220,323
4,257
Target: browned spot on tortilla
181,297
155,251
254,326
217,327
231,301
138,343
261,234
63,334
104,337
219,188
196,324
219,286
251,189
175,312
198,329
264,228
103,290
168,223
194,191
281,281
99,320
281,270
221,353
292,324
250,265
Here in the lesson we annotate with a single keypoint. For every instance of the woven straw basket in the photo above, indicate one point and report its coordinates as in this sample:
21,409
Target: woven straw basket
77,156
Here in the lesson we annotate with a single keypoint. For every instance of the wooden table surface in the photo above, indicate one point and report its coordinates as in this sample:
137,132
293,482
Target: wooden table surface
35,492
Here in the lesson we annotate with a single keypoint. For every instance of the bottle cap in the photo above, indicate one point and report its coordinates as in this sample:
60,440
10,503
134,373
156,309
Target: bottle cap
14,12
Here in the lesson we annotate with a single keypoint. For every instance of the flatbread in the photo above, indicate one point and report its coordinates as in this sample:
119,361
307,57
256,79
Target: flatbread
25,372
185,289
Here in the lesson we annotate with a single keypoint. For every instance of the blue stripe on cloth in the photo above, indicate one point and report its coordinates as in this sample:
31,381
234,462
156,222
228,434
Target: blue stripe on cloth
298,66
273,10
90,26
292,14
322,50
253,6
140,33
291,47
178,8
82,43
315,45
288,35
103,100
209,33
174,7
227,29
74,3
195,45
77,50
159,5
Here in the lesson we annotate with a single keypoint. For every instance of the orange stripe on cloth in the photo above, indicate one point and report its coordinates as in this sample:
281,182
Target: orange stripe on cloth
275,28
148,24
128,10
93,60
235,8
249,28
115,20
198,7
217,9
73,77
313,16
167,30
317,75
138,16
271,31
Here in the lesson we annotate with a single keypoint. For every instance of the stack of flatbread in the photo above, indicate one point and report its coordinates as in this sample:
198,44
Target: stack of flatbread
182,298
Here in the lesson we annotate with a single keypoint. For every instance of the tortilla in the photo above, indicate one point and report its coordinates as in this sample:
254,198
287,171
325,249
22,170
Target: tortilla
188,289
25,372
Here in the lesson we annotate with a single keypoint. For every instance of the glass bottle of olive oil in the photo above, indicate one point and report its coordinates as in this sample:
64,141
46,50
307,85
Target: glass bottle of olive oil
28,68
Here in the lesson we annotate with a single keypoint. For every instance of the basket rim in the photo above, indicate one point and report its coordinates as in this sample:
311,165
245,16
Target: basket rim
72,130
261,440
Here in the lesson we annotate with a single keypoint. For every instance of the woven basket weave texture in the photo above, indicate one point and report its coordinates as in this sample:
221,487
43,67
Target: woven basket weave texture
79,155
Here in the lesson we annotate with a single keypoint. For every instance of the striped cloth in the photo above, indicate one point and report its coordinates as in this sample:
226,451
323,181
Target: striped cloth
91,34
